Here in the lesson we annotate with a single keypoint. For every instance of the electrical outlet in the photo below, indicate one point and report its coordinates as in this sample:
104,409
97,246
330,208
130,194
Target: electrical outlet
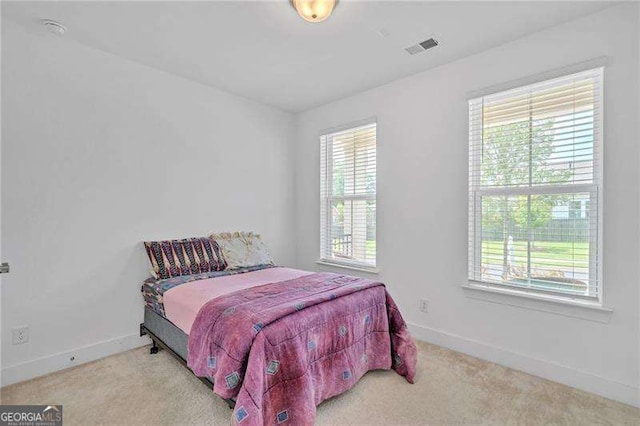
20,335
424,305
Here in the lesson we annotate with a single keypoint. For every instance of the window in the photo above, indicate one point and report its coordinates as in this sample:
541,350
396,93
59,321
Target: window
535,188
348,197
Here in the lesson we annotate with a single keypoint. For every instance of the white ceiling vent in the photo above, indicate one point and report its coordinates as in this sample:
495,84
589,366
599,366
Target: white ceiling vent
422,46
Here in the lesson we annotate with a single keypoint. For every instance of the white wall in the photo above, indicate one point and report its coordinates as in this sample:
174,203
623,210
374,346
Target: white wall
99,154
422,206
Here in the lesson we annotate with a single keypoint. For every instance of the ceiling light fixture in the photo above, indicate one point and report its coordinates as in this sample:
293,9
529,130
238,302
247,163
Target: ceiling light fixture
314,10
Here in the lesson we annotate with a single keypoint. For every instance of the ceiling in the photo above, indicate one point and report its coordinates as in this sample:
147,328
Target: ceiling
264,51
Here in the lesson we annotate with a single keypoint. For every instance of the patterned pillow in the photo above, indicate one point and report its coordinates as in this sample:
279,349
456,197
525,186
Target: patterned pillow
243,249
189,256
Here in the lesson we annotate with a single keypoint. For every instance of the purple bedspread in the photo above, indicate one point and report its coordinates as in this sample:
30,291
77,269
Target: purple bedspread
283,348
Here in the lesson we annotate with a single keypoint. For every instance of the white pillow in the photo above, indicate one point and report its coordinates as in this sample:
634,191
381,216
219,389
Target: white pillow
242,249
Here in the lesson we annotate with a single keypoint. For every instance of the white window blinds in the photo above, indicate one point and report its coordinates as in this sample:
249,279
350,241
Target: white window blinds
535,187
348,196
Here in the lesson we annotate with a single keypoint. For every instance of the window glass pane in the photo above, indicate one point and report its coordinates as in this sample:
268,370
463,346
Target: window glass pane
539,137
353,230
341,239
563,149
354,162
348,191
537,241
365,168
340,166
504,244
370,241
560,240
505,155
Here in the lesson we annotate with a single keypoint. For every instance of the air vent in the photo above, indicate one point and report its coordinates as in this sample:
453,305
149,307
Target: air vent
422,46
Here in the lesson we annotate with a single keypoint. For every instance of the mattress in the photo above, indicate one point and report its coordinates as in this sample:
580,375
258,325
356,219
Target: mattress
182,303
153,290
179,299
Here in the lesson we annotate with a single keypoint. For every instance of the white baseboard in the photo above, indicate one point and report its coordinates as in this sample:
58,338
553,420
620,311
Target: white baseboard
582,380
49,364
607,388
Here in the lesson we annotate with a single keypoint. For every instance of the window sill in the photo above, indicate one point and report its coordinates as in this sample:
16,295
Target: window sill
570,308
367,269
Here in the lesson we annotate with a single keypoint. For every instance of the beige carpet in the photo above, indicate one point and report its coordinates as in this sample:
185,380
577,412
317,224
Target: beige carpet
137,388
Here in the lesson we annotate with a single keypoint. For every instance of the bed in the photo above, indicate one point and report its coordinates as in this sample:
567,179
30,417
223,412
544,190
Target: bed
275,342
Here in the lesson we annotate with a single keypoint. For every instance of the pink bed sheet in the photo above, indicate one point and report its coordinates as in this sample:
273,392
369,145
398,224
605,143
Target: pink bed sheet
182,303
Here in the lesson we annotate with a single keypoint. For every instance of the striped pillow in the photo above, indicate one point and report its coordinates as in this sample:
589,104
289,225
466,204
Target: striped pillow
172,258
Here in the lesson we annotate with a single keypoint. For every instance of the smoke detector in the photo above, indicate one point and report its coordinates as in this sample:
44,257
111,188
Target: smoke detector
422,46
54,27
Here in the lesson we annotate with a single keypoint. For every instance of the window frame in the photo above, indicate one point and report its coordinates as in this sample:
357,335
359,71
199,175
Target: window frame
594,189
327,198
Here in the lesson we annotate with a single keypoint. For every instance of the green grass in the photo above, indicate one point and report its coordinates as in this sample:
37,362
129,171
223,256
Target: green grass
551,254
371,249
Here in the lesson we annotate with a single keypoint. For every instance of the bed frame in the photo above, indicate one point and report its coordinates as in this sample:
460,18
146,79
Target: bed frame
165,335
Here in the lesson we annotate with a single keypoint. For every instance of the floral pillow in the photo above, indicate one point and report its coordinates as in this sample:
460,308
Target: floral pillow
243,249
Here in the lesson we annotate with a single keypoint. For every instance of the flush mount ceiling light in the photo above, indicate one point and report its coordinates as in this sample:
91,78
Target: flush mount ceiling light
314,10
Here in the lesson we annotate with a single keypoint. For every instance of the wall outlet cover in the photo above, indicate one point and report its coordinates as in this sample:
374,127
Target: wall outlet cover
20,335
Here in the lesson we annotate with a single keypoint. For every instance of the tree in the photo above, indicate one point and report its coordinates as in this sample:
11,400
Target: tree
516,155
537,215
